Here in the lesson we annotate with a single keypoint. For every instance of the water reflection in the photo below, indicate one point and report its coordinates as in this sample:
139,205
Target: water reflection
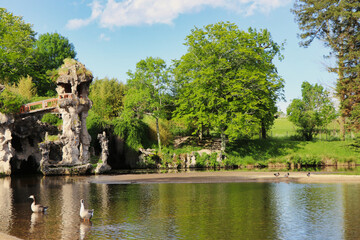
180,211
84,228
308,211
5,204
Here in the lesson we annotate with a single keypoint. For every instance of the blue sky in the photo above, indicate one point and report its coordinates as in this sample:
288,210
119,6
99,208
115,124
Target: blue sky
111,36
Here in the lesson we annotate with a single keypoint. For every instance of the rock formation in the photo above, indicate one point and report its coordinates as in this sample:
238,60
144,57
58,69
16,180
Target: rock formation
103,165
6,149
73,104
73,89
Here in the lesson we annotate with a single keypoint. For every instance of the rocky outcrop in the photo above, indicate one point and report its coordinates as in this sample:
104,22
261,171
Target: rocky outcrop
22,144
149,158
103,166
6,149
73,89
73,105
27,133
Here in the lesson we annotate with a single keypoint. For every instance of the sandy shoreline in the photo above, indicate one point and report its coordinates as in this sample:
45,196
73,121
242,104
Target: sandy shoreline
224,177
4,236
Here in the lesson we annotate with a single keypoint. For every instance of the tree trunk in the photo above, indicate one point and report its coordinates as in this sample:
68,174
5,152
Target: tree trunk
201,133
342,128
223,144
342,99
158,133
263,130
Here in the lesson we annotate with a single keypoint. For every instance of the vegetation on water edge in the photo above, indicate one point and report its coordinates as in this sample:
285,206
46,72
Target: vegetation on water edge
283,149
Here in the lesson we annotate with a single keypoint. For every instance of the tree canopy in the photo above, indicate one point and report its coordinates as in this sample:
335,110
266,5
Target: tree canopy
337,24
226,81
148,89
50,51
108,97
22,55
16,47
314,111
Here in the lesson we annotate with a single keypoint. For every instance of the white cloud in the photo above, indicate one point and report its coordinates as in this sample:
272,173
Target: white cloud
96,12
103,37
136,12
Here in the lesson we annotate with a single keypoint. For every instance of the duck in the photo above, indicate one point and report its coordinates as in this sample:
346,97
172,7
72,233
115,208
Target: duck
85,214
287,175
36,208
308,174
276,174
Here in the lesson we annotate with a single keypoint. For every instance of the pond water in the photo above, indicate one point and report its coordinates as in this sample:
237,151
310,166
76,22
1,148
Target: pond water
179,211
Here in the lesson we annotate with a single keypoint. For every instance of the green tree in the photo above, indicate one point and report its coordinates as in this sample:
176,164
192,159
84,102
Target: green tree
50,49
10,102
314,111
16,47
148,89
226,81
107,96
337,24
25,88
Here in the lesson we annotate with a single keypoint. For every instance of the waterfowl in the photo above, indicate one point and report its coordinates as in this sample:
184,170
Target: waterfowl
37,207
308,174
85,213
277,174
287,175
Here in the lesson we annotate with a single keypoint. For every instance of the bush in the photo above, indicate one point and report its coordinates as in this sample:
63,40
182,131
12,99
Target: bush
10,103
95,125
309,160
51,119
131,129
164,129
206,160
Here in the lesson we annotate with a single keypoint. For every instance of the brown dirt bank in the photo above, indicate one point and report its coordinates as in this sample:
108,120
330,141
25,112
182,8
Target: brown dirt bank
223,177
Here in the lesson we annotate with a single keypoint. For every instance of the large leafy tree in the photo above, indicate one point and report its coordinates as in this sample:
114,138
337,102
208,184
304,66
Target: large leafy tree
148,90
314,111
16,47
337,24
107,96
50,50
226,81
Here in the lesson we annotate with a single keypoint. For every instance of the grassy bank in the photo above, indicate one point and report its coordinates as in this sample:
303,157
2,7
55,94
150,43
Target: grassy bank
277,150
281,148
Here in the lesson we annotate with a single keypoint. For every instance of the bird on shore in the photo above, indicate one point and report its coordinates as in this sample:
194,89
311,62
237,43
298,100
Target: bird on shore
287,175
308,174
37,207
276,174
85,214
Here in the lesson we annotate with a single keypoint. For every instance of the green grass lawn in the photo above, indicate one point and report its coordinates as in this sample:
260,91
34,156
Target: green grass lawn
283,147
283,128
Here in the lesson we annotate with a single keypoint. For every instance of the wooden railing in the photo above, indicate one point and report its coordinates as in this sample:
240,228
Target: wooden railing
43,105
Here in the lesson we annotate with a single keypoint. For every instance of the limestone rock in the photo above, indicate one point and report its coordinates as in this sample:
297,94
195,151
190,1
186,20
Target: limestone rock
73,89
103,166
6,149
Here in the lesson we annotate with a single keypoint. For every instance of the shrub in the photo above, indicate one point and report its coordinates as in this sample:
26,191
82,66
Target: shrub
51,119
131,129
10,103
164,129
